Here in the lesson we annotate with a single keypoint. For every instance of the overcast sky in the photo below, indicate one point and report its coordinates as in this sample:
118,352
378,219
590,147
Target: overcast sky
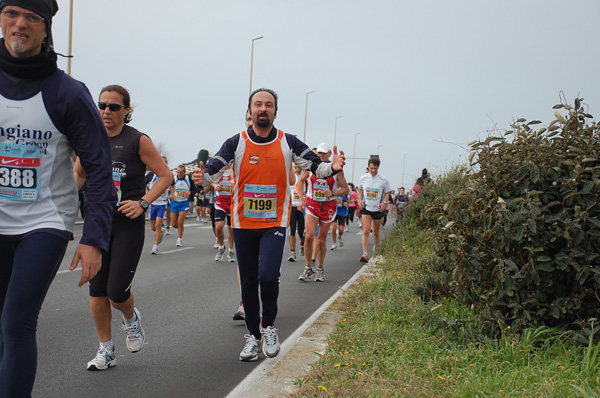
417,79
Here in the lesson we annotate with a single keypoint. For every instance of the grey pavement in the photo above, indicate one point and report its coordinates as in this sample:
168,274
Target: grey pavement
275,378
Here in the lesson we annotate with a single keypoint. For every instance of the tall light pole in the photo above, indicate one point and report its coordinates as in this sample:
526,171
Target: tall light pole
335,130
403,163
70,39
306,113
252,60
354,156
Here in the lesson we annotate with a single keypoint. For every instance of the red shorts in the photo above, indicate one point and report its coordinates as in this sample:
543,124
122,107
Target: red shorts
324,211
223,203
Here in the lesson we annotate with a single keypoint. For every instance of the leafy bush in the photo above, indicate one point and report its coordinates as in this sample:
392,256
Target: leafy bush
521,237
436,281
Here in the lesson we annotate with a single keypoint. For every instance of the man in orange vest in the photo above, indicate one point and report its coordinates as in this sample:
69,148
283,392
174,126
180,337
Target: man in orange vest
262,157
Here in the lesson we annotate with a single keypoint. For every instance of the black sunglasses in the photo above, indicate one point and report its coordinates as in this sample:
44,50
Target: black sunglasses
113,107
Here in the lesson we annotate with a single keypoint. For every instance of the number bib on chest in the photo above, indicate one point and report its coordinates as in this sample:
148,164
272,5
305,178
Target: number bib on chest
180,195
371,195
319,188
260,201
225,188
117,182
19,172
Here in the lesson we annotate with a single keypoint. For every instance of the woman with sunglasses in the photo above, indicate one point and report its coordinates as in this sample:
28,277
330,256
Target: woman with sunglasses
132,152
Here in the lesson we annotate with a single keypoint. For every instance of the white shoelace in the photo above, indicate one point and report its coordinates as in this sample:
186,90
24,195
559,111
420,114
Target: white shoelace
270,335
251,343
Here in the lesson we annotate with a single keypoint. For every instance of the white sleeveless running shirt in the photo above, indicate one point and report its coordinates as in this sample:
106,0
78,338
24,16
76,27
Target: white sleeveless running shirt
37,185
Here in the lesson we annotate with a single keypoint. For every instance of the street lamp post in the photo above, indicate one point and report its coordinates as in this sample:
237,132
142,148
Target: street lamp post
403,163
70,40
354,156
252,60
306,113
335,130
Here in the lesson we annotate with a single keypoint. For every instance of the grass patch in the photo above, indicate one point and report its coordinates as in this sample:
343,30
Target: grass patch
385,347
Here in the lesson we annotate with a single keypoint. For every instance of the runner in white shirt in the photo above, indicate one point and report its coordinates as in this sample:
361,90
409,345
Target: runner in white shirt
373,192
158,209
296,219
180,192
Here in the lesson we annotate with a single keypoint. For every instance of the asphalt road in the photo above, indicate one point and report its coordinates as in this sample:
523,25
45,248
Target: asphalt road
186,301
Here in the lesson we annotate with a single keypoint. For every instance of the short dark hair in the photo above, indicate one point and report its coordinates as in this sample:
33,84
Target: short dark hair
268,90
374,161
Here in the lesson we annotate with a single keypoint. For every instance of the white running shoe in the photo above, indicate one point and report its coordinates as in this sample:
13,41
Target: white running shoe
104,359
216,245
250,351
135,333
230,256
220,253
320,277
240,315
154,249
168,230
292,256
305,276
333,247
341,241
197,219
179,242
270,341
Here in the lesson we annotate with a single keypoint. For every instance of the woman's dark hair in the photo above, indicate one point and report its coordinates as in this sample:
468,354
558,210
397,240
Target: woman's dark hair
123,92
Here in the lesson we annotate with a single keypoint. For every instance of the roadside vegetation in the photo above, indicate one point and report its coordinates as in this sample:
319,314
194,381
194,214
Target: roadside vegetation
490,285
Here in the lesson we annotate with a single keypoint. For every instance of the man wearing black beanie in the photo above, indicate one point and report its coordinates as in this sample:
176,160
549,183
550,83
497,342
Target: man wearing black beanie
45,115
43,8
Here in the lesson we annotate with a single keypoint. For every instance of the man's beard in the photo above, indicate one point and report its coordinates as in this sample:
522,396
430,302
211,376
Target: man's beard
263,122
18,47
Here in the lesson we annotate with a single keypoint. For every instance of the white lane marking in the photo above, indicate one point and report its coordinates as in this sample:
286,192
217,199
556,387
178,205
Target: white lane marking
175,250
64,271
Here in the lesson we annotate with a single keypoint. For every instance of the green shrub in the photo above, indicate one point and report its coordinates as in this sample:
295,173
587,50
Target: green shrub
521,237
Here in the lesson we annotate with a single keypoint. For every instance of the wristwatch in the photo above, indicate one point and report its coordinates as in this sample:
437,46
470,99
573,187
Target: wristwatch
144,204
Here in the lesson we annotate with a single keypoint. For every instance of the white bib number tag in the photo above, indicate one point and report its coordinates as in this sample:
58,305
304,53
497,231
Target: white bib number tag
19,172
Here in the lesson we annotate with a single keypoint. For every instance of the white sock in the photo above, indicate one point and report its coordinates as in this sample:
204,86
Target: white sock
107,344
130,321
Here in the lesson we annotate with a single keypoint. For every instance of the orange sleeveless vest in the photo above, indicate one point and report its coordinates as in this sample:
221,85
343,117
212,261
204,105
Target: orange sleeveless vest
261,195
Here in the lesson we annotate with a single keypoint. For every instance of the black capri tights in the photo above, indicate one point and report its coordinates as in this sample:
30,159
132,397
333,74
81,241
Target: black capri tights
120,262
